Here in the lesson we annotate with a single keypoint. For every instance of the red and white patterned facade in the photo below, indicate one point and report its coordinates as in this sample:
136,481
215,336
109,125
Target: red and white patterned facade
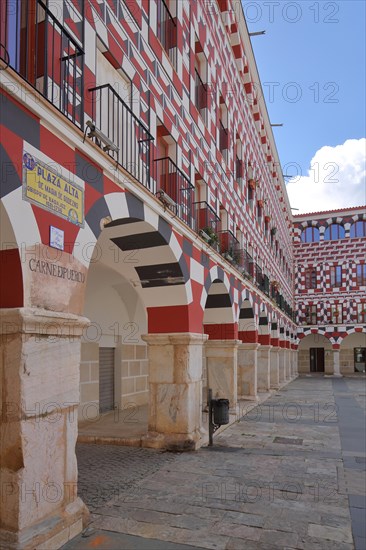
330,277
136,132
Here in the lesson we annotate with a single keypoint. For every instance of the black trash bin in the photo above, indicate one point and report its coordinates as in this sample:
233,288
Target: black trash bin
220,411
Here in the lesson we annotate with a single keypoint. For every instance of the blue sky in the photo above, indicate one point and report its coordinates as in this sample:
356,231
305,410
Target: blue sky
312,65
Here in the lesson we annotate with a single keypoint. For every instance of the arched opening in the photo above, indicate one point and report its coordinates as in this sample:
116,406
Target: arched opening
264,336
220,354
136,266
11,294
315,354
264,352
334,232
274,354
248,330
247,351
353,353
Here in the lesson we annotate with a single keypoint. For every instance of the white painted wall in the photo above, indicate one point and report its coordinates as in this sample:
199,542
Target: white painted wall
114,308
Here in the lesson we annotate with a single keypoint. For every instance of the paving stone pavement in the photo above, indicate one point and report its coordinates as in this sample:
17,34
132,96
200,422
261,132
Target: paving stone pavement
289,475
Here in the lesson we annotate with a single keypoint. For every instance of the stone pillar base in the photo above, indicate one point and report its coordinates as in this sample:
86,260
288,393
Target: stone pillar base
39,374
175,382
172,442
247,371
52,532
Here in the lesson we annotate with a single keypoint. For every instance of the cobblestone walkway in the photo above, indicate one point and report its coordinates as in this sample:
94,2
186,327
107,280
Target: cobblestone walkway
289,475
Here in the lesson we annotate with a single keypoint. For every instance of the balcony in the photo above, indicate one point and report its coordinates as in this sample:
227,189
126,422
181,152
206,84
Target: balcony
246,264
206,223
167,31
172,182
45,55
259,278
229,246
119,124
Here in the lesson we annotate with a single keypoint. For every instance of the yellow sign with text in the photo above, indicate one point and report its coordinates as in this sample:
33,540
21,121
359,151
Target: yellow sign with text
47,188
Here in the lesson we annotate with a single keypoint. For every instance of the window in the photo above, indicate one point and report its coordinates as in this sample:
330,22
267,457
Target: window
361,275
310,277
336,312
121,84
259,211
267,219
250,194
311,315
361,313
358,229
334,232
167,29
223,142
200,75
310,235
239,168
336,276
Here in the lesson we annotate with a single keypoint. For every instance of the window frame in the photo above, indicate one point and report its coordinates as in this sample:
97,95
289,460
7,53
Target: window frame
361,313
354,229
310,276
310,312
361,277
339,316
334,228
315,234
336,274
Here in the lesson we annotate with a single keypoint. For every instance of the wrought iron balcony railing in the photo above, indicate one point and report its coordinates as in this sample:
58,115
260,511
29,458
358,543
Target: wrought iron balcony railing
205,217
167,31
229,246
43,52
172,181
119,124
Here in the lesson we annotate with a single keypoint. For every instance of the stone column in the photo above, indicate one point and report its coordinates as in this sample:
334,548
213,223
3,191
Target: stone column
263,368
39,370
337,371
274,368
175,383
222,370
247,371
294,363
288,364
281,366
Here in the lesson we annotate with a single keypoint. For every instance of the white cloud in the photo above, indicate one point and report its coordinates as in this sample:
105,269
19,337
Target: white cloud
336,179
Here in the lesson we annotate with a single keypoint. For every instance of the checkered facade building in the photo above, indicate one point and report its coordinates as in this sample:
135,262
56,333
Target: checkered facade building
319,257
162,92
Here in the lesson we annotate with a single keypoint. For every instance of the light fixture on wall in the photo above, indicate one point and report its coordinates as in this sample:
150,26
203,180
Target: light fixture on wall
257,33
100,137
165,199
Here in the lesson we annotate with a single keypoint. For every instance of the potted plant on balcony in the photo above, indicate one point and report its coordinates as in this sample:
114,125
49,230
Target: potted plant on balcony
209,235
276,285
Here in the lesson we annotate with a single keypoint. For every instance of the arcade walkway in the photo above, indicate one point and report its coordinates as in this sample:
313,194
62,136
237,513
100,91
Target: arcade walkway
290,474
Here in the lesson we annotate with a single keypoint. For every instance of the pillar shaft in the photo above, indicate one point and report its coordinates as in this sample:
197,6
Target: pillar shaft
274,368
281,365
247,371
175,383
39,371
222,369
337,370
263,368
